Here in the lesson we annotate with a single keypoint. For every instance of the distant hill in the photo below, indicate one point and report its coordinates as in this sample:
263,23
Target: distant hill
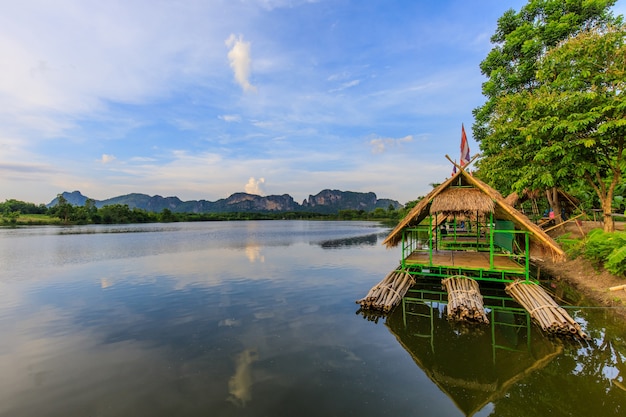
326,201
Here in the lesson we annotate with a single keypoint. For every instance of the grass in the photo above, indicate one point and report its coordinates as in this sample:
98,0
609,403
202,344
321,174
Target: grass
30,220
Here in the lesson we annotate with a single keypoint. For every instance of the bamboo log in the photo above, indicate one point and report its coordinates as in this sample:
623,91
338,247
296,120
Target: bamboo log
618,287
387,293
543,309
464,300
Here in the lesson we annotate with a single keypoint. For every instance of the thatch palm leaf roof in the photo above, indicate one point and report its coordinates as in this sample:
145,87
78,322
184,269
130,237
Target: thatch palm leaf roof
454,200
466,189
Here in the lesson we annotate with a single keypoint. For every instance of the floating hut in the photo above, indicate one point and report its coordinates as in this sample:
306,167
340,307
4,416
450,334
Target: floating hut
464,232
465,227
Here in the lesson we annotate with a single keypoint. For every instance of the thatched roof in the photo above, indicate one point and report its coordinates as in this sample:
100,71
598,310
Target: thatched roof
461,200
467,187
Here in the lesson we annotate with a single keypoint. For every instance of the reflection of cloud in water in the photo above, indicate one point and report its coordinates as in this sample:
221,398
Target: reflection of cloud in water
310,309
263,315
50,363
253,253
213,267
240,384
230,322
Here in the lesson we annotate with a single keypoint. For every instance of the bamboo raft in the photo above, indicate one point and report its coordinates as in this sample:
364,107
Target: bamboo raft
387,293
465,303
544,310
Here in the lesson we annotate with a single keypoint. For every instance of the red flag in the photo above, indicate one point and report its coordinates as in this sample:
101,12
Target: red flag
465,150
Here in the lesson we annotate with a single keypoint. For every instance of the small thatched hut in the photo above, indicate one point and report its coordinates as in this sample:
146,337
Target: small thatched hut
489,227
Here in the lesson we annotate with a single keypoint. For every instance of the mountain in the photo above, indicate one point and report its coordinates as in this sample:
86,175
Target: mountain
331,201
326,201
74,198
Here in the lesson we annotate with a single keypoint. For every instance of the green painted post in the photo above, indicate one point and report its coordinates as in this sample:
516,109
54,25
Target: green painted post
493,335
527,263
404,312
430,238
491,227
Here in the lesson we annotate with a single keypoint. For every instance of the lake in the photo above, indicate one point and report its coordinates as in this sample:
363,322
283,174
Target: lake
258,318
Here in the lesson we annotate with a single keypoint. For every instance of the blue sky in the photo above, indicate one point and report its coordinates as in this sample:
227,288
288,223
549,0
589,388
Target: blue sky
203,98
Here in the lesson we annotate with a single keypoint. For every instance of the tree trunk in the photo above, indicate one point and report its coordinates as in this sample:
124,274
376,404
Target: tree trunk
605,195
609,224
553,199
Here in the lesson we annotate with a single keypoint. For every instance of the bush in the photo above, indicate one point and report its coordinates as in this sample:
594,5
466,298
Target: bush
607,249
573,247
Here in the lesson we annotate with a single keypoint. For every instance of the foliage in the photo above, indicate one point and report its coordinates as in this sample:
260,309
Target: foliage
521,40
12,205
616,261
63,210
573,124
401,213
67,213
573,247
607,249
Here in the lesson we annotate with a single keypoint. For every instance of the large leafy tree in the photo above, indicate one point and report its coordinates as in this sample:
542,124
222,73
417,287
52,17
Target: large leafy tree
521,40
573,125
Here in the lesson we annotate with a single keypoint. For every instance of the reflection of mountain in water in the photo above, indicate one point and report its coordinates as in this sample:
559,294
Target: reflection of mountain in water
368,240
472,364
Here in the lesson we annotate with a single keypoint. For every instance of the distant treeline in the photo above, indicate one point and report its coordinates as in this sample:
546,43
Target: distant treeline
15,212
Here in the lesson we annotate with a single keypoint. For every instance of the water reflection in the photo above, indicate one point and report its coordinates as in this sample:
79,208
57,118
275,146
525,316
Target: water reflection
240,384
509,366
472,364
261,322
253,253
370,240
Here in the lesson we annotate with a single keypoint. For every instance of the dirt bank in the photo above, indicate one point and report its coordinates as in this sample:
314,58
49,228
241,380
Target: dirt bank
580,274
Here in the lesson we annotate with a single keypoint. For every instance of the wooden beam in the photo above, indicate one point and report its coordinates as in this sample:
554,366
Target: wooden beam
466,165
561,224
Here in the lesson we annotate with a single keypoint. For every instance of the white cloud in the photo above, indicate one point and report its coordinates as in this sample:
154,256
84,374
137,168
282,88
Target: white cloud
230,118
107,158
380,145
346,85
240,61
254,186
69,59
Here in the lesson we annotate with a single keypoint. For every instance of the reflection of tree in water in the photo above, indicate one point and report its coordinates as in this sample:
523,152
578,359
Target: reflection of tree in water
473,364
510,363
586,380
368,240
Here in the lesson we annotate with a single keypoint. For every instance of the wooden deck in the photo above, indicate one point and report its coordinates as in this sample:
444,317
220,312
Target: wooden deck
463,259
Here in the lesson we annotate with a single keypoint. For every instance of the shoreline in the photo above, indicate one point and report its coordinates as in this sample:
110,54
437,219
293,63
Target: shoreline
581,275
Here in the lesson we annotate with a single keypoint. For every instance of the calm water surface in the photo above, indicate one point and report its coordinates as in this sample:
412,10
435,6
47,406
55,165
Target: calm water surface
259,319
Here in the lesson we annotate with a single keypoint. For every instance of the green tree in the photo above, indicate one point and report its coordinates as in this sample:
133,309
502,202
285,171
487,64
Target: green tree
166,216
63,210
379,213
13,205
116,214
521,40
574,124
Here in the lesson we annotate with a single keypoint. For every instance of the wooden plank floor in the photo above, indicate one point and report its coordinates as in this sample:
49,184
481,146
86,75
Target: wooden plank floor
474,260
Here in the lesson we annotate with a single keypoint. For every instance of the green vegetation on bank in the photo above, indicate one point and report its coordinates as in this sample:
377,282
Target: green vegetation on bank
602,249
19,213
